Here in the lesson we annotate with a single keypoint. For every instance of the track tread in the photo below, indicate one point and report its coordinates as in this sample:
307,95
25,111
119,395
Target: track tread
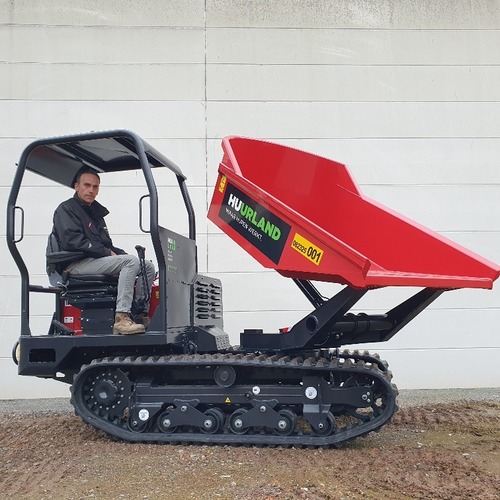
347,361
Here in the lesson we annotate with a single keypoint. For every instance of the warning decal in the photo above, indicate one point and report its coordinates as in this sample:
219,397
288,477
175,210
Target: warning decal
222,184
307,249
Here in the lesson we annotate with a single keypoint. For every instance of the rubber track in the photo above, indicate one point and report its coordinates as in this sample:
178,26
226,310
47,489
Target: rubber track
353,363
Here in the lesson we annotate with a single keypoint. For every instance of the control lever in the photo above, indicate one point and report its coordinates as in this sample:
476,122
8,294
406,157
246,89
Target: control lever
141,253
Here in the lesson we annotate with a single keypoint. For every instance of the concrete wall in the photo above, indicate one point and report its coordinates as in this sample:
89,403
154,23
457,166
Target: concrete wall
406,93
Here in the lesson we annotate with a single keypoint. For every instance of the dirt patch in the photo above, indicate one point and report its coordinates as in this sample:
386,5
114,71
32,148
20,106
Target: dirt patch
439,451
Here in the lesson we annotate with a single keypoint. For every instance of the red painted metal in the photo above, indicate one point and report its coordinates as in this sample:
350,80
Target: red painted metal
155,298
71,317
304,216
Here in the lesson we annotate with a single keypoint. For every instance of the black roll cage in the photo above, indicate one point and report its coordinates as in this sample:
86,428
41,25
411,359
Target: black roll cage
59,159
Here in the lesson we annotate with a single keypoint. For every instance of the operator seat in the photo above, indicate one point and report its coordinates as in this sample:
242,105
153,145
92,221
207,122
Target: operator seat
90,283
95,296
89,297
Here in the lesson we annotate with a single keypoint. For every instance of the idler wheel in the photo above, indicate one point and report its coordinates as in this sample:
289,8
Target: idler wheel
286,423
235,422
214,420
328,427
225,376
165,422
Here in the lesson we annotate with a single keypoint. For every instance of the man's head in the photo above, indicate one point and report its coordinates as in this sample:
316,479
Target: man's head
87,185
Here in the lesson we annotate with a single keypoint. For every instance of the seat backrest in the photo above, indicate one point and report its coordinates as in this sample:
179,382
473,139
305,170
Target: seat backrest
56,258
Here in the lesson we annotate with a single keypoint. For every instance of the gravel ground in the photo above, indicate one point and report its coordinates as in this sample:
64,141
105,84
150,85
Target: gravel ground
441,444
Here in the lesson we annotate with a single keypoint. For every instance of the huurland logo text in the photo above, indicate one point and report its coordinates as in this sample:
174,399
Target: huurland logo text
260,227
253,217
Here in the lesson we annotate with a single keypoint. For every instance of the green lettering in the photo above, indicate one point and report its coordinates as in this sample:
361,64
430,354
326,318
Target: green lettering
249,213
262,223
269,229
253,219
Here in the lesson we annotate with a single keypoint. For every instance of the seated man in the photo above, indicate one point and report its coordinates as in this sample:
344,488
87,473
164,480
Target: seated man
80,227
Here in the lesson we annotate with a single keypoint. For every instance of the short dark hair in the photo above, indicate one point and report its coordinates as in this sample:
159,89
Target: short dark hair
85,170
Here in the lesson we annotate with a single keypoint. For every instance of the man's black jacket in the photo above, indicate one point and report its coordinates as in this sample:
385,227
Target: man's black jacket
81,228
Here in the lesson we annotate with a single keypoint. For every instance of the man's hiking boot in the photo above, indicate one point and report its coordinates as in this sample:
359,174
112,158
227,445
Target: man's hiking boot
125,326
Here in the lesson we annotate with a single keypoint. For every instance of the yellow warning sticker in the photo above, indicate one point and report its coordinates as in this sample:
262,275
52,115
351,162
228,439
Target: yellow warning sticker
227,400
307,249
222,184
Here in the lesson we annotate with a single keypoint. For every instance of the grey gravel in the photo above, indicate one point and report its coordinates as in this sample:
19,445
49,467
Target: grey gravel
420,397
43,405
415,397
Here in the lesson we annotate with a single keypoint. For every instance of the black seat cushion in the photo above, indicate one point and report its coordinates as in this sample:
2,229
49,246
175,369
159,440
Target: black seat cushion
91,280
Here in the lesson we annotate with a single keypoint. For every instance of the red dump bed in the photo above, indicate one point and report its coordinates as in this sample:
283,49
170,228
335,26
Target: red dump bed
304,216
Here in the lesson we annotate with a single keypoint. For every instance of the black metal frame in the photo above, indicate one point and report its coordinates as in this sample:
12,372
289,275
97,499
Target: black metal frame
61,353
140,156
331,325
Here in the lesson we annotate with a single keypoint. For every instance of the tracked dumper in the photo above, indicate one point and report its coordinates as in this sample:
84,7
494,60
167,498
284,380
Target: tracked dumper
182,381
